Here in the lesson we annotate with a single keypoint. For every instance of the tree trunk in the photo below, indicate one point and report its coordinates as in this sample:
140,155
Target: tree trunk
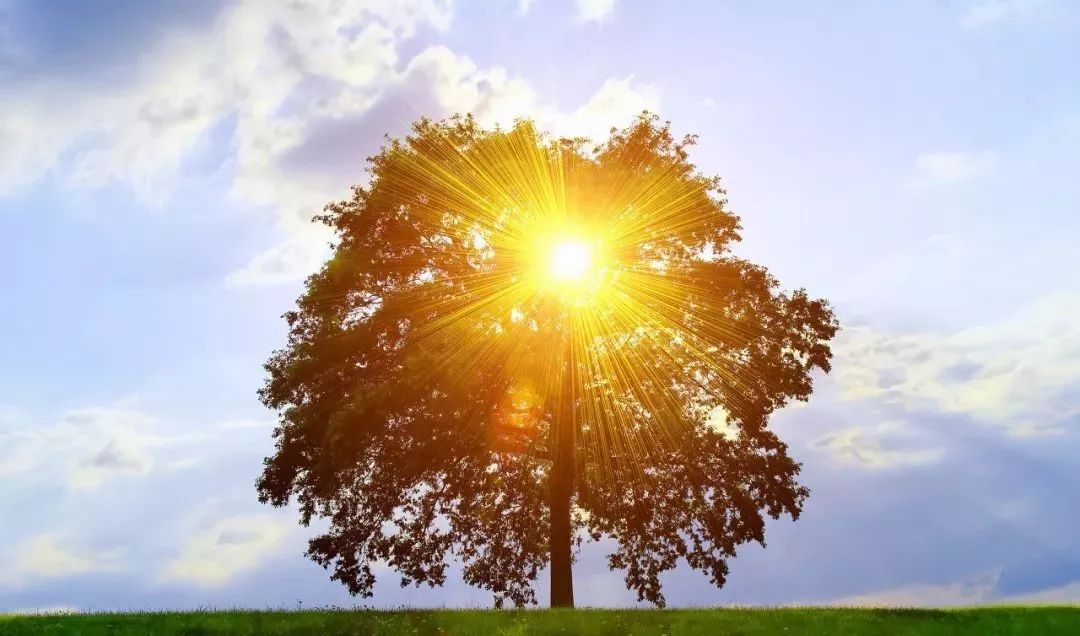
562,491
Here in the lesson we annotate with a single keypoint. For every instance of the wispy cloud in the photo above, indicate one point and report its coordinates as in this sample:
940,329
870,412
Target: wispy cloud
229,547
944,168
594,10
1067,594
53,556
1021,373
985,13
978,590
89,446
874,448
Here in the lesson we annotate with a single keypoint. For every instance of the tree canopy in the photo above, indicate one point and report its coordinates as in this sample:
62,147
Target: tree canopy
431,357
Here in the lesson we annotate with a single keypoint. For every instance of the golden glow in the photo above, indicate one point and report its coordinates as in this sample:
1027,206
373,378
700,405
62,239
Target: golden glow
570,260
565,261
568,271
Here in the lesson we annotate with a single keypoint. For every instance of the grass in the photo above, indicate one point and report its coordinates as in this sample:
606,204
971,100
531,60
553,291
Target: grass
988,620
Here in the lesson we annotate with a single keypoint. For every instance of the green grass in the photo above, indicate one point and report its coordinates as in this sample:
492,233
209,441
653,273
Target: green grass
988,620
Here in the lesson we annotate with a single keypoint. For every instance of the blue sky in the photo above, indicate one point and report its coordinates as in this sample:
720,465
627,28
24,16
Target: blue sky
915,162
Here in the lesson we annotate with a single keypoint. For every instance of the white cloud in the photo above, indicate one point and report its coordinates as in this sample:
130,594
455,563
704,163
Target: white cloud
719,421
231,546
873,449
525,5
986,13
50,556
88,446
272,65
282,263
1021,373
614,104
435,82
943,168
594,10
312,87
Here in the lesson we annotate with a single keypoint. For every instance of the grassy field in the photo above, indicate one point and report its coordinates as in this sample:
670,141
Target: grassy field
996,620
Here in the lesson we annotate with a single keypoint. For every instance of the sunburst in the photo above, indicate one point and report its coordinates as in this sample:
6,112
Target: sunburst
553,260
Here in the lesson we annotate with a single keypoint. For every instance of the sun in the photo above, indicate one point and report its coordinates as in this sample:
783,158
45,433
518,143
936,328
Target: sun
568,263
570,260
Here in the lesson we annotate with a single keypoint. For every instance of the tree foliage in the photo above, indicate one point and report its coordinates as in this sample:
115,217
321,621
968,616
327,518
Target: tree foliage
423,370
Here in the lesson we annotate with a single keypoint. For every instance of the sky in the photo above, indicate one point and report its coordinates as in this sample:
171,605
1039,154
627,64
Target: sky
914,162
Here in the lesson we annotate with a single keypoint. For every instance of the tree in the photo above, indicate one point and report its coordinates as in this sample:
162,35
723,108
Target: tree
515,328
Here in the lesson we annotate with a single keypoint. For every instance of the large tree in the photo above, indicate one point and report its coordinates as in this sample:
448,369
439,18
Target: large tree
521,342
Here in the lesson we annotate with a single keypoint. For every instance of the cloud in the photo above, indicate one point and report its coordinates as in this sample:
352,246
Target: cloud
524,6
986,13
310,89
50,556
872,449
944,168
231,546
719,421
436,82
594,10
1021,373
281,263
88,446
614,104
272,66
979,590
1068,594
